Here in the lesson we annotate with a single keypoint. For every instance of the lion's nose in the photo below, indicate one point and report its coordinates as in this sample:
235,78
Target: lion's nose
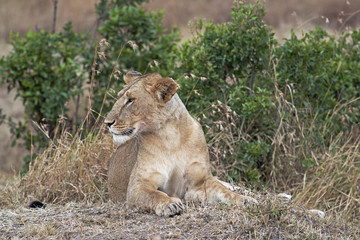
109,124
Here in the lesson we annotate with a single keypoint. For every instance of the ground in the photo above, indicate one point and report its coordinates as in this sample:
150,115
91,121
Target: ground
270,220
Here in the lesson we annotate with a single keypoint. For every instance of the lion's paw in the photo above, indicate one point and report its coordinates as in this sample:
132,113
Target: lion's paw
170,208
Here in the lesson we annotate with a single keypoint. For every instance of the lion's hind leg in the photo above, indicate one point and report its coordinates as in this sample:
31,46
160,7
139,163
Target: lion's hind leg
213,191
205,188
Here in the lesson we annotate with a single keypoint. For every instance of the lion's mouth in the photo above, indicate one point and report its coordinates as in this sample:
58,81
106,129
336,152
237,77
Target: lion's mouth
126,133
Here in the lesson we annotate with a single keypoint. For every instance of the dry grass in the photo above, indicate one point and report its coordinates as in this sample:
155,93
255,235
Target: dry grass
334,185
271,220
71,169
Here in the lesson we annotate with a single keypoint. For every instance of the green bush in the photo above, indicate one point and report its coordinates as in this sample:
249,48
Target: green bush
230,63
322,70
46,71
323,74
228,56
246,90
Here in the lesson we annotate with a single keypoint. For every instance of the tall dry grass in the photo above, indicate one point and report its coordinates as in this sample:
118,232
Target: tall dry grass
70,169
332,183
335,183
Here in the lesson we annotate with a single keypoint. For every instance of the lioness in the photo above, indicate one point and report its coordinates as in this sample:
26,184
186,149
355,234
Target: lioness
163,156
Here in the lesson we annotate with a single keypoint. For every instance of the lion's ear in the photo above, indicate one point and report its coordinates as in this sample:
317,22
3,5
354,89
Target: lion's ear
164,89
131,75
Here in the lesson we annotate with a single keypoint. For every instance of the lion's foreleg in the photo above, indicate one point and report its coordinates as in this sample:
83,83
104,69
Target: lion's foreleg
148,197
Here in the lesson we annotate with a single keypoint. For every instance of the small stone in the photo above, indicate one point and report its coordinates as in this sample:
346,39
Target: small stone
318,213
284,197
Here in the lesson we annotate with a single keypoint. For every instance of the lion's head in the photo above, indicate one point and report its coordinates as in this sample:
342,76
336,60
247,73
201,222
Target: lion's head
142,105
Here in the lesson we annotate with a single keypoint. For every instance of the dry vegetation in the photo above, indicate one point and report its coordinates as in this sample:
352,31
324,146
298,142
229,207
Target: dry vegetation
273,220
72,169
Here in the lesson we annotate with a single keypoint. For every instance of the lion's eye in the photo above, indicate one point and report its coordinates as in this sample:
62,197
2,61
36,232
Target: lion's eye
130,100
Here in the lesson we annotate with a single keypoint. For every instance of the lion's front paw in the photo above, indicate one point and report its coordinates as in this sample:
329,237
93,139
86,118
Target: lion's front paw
170,208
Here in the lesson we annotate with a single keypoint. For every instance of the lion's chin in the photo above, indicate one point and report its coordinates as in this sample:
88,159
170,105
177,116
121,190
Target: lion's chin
125,136
121,139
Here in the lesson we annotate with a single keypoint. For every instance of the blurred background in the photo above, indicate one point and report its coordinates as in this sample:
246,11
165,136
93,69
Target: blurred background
20,16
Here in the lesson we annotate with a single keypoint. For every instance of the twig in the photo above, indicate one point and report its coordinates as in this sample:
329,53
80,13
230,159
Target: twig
96,25
77,106
306,22
93,69
54,19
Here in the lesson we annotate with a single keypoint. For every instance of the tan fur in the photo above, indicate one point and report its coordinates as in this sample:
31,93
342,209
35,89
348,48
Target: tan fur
163,156
121,164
